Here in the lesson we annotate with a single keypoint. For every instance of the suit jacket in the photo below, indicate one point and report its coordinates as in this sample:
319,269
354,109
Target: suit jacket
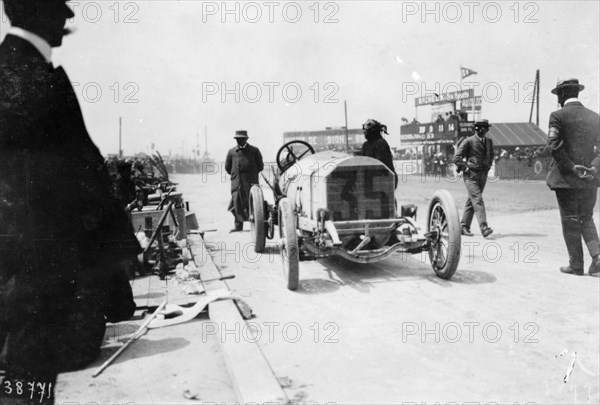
573,139
475,154
59,227
244,165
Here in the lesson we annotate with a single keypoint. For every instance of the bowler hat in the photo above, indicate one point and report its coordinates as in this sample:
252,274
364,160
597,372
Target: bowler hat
567,83
483,123
241,134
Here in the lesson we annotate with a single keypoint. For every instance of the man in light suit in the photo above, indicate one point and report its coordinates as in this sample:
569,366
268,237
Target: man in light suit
474,157
574,142
63,237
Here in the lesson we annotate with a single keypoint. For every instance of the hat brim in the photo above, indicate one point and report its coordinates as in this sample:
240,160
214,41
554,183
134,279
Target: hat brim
241,136
555,90
482,125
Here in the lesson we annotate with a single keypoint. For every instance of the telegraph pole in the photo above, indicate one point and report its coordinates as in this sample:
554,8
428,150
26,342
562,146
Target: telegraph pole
120,128
537,108
205,140
535,99
346,119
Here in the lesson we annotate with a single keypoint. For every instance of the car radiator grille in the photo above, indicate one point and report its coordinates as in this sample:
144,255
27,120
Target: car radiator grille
363,192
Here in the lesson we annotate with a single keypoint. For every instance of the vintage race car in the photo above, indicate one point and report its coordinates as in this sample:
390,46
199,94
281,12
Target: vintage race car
335,204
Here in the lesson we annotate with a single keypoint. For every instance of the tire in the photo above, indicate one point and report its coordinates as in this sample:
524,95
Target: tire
289,251
258,227
538,166
444,250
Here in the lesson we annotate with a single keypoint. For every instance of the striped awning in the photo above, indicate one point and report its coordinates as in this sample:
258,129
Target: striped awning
517,134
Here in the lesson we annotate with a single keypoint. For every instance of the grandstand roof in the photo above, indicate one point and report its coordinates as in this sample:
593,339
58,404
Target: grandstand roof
517,134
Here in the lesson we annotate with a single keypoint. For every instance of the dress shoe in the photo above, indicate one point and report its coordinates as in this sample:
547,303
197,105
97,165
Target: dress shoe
235,230
594,267
465,231
486,231
570,270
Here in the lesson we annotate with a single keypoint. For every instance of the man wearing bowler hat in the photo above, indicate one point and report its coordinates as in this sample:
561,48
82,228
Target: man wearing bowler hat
574,141
243,164
474,158
63,235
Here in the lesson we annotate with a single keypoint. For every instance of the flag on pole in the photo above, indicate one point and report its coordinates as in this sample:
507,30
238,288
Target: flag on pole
466,72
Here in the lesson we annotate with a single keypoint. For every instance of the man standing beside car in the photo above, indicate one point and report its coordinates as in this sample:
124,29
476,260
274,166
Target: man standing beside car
243,164
474,157
574,142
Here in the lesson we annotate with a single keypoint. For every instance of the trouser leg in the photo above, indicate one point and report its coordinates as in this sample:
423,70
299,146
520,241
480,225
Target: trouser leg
588,228
479,205
475,201
237,220
571,225
467,216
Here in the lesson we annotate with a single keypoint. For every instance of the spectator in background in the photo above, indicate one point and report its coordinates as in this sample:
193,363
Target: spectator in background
443,164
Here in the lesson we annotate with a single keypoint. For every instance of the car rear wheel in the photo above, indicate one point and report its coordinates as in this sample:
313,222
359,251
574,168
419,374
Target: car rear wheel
258,226
443,225
289,244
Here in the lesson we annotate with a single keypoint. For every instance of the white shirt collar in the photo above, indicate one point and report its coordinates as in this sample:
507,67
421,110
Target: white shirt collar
572,100
38,42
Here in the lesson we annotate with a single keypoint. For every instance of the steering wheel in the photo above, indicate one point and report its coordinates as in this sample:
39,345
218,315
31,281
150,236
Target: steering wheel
292,152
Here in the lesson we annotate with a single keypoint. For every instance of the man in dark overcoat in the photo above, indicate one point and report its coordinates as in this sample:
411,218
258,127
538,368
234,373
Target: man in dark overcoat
574,142
243,164
474,157
63,236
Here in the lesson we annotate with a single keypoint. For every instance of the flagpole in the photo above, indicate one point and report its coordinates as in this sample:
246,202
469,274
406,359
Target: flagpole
473,107
462,76
461,86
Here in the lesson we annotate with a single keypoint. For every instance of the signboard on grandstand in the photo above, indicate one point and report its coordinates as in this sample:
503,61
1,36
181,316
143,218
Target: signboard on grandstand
467,104
449,97
434,133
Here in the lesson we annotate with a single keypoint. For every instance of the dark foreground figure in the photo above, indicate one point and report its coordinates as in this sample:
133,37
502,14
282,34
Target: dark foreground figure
63,236
574,141
377,147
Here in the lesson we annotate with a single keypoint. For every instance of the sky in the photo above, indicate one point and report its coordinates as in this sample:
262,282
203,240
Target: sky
175,70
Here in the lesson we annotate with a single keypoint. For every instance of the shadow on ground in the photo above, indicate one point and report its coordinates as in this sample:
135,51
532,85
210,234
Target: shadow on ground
142,348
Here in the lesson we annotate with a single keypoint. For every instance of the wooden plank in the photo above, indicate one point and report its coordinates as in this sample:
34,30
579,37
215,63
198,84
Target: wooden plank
160,368
252,376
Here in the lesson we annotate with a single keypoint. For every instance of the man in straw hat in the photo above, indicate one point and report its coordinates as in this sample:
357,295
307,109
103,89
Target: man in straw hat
574,142
63,235
474,158
243,164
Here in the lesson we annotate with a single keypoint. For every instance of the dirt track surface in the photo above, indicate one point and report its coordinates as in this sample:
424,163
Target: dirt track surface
505,329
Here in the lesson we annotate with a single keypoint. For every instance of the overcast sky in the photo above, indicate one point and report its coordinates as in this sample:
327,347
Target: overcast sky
172,68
